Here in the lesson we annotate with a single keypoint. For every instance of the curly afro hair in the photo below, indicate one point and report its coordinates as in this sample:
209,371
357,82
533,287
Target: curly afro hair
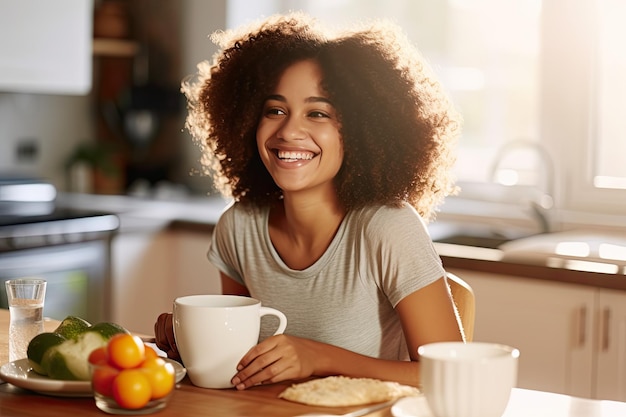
397,125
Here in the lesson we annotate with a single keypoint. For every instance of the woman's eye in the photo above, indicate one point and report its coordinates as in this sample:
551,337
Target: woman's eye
273,111
318,114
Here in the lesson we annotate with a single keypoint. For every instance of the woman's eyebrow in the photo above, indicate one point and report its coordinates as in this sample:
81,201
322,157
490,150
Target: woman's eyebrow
318,100
313,99
276,97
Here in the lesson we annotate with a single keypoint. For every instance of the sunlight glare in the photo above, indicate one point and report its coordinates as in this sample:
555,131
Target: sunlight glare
611,251
579,249
591,266
507,177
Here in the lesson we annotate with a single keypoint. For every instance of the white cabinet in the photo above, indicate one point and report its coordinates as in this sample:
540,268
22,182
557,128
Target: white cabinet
141,279
611,345
194,273
572,338
151,269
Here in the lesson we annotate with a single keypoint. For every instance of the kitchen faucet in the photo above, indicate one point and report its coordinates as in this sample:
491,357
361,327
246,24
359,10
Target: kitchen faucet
542,204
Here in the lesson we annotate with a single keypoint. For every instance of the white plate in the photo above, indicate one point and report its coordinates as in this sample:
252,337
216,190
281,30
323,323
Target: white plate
411,407
20,374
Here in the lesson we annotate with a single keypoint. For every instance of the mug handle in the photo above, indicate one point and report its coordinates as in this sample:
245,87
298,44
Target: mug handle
272,311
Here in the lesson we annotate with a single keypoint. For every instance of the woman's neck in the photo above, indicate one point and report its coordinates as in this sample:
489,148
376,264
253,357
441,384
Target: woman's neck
301,229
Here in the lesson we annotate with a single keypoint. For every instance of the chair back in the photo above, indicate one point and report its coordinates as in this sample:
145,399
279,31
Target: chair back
465,302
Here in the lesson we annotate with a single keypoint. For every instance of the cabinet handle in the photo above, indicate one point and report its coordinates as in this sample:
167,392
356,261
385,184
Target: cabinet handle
582,326
604,326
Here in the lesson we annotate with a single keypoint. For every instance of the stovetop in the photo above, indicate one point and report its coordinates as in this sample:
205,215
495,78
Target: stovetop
32,213
60,226
30,217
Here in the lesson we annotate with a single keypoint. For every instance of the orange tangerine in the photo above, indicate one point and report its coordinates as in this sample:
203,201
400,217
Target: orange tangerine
102,379
161,375
98,356
150,352
131,389
126,351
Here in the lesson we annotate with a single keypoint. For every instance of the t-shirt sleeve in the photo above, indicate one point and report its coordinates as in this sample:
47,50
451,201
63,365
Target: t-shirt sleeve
223,250
404,252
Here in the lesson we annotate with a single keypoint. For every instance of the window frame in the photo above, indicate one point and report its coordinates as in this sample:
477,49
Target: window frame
569,114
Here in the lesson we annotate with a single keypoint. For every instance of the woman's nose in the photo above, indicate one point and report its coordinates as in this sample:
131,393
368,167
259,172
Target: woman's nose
291,129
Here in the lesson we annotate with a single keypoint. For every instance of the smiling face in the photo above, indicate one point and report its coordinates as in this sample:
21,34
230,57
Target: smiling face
298,133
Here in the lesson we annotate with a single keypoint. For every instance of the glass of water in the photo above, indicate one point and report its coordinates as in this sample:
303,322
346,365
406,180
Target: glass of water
25,297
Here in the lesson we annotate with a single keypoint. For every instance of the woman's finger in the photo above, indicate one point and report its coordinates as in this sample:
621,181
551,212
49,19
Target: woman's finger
171,340
164,335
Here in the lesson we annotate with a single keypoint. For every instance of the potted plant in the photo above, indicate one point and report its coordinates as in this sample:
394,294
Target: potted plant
96,168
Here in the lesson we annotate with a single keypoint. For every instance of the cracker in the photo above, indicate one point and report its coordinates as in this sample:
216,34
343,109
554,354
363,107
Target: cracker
342,391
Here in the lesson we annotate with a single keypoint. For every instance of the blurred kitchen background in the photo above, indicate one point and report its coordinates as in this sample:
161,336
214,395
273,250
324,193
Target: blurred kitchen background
539,84
102,192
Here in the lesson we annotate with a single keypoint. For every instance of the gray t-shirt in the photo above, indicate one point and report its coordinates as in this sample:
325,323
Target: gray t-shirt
347,297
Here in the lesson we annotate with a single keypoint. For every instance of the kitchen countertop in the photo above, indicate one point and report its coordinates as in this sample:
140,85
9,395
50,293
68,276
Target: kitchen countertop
139,214
580,256
570,256
469,258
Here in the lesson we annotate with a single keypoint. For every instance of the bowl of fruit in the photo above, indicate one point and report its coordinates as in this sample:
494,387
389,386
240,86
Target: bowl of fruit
128,377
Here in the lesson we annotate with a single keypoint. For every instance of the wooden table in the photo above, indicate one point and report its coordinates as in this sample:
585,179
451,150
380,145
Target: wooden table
189,400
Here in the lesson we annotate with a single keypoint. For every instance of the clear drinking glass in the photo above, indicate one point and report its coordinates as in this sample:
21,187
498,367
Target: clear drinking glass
25,297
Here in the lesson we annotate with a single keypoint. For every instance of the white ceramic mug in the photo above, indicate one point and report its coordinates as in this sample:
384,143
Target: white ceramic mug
213,333
467,379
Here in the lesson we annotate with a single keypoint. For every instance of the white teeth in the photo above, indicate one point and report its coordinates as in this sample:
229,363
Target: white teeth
295,156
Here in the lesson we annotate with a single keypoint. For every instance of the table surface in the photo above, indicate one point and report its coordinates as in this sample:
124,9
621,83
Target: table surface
189,400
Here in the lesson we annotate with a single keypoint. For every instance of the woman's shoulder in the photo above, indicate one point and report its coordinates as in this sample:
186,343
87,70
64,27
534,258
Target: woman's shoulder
386,219
237,209
242,213
387,213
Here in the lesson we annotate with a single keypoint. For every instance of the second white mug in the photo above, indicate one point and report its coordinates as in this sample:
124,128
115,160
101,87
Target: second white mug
213,332
467,379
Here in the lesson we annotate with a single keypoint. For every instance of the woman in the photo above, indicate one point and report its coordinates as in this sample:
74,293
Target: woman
336,149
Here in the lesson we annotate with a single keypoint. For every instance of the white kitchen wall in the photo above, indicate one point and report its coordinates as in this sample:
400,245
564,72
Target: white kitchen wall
50,125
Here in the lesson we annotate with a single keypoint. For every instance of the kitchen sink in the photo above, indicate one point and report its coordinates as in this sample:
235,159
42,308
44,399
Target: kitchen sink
476,241
476,235
574,249
607,250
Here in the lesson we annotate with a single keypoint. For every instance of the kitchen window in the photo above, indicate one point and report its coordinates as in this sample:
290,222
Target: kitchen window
609,167
540,85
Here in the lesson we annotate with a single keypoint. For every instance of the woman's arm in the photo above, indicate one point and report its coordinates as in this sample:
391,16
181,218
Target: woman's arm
232,287
427,315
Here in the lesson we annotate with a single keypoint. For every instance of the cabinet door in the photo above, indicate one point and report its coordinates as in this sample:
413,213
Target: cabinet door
550,323
151,269
194,273
142,279
611,346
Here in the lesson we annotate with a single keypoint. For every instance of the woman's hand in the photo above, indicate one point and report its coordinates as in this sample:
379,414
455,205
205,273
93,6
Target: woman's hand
277,358
164,335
